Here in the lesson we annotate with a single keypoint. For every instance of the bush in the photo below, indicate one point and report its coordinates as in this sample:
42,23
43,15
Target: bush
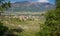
18,30
52,24
3,29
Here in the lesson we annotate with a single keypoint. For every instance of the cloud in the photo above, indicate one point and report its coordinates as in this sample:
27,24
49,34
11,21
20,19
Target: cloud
43,0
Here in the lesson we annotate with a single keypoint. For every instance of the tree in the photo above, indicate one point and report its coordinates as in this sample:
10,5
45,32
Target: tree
52,23
4,5
58,3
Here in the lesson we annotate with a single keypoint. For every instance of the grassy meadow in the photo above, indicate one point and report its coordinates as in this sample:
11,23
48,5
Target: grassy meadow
30,26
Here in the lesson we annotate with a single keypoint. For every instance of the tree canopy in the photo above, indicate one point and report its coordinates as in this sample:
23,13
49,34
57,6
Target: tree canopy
4,5
52,23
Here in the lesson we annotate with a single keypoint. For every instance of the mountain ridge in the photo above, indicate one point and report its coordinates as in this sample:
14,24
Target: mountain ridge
31,6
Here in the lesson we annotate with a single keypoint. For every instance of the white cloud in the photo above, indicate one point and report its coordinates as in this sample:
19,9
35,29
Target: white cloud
43,0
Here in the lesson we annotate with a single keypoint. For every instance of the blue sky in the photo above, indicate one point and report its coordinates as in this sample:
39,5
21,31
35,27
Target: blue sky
50,1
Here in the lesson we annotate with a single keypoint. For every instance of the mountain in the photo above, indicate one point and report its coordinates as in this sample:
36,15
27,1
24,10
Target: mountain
27,6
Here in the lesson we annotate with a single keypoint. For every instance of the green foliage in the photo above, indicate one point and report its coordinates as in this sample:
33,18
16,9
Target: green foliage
3,29
52,24
4,5
58,3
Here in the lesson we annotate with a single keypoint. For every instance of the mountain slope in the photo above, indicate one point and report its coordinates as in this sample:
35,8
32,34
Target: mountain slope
31,6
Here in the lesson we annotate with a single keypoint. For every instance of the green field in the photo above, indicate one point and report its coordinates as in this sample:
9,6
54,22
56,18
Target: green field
31,27
22,13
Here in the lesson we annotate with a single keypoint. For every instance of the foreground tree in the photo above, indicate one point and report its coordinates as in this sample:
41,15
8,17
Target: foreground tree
3,6
52,24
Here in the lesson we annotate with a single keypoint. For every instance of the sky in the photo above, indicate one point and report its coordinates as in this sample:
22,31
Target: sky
50,1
